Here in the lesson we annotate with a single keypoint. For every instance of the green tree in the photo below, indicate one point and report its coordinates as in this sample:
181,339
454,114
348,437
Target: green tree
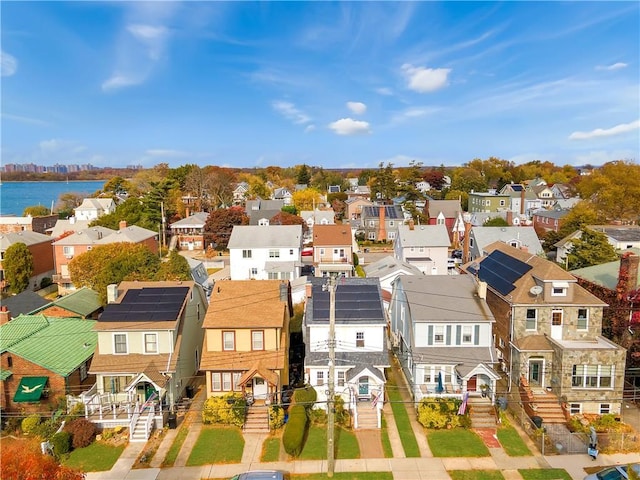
496,222
458,194
175,267
582,214
303,176
383,183
467,179
220,223
130,211
18,267
36,211
592,248
113,263
116,186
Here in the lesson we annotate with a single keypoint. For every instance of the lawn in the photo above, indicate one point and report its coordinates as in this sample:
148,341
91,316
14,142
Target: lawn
315,448
544,474
407,437
512,443
217,445
475,475
384,437
173,452
97,457
457,442
270,450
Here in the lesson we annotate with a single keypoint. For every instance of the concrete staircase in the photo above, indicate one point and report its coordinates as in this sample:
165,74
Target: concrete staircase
367,416
257,419
482,413
547,406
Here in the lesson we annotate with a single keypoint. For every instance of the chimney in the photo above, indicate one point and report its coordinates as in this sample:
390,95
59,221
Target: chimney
627,274
308,288
522,201
123,224
382,231
72,220
112,293
465,245
186,212
482,290
411,224
5,315
509,217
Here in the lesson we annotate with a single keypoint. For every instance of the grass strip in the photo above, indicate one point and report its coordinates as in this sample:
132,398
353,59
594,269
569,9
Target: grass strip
512,442
174,450
407,437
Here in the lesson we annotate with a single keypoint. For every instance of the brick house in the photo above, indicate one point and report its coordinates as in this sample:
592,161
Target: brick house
333,250
9,224
39,245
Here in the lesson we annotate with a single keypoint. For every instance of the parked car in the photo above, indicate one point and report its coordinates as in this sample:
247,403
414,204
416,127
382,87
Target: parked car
617,472
307,252
262,475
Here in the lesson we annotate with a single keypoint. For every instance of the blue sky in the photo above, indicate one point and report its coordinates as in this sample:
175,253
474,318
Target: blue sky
339,85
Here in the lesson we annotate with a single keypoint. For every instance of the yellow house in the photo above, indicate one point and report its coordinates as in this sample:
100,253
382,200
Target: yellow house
246,344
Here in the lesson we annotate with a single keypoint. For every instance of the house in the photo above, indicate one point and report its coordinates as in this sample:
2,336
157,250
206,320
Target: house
380,222
546,220
240,193
561,191
93,208
149,347
40,224
66,226
523,200
386,270
333,189
318,217
43,359
265,252
39,245
488,202
444,212
199,274
548,334
81,303
621,237
246,346
524,238
283,194
441,329
358,191
360,345
333,250
423,186
23,303
189,232
355,206
544,194
260,204
423,246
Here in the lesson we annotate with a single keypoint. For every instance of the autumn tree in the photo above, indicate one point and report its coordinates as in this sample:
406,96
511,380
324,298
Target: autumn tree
467,179
220,223
592,248
435,178
221,183
18,267
175,267
407,180
196,184
116,186
67,203
36,211
307,199
458,194
23,460
582,214
284,218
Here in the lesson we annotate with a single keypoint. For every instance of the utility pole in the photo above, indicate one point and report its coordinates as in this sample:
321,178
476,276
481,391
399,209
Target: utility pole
331,406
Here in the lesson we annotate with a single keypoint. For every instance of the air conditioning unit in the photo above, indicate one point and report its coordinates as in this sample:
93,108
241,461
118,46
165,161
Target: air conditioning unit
68,256
395,340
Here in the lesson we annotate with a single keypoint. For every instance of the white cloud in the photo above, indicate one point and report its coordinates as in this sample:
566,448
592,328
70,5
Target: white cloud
147,32
22,119
357,108
421,79
349,126
289,111
310,128
384,91
600,157
614,66
8,64
119,81
608,132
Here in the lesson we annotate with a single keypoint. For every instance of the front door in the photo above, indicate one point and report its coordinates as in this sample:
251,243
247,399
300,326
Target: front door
535,372
472,384
556,324
363,386
259,388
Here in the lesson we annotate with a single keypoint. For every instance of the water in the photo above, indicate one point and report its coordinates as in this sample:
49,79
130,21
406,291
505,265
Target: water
16,196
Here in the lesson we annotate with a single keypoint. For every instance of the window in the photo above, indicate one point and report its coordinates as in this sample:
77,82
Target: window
372,223
559,289
440,221
438,334
246,253
592,376
254,271
340,378
226,381
257,340
236,379
467,334
9,362
502,203
359,339
216,381
391,223
605,408
556,318
391,235
67,251
319,378
119,343
83,372
501,342
322,252
575,408
532,319
291,251
272,275
427,375
228,340
150,343
274,253
372,235
583,318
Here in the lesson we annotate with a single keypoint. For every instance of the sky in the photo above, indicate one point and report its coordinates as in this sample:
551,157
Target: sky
331,84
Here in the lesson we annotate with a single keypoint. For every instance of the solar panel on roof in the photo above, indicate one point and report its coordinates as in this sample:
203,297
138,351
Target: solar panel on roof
147,304
501,271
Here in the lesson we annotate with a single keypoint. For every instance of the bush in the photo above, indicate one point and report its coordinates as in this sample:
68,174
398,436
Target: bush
276,417
305,396
295,430
61,443
317,416
440,413
30,423
227,409
13,424
45,282
47,428
82,432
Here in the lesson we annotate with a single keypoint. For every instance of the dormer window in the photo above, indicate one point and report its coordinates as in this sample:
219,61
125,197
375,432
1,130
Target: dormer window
559,289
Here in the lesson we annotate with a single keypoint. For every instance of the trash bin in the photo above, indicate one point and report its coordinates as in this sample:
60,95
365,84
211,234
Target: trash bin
537,421
172,420
502,403
189,391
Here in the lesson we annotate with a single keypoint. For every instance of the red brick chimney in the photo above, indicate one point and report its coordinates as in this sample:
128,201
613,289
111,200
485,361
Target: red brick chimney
5,315
186,212
522,201
509,217
411,224
382,231
627,274
123,224
465,246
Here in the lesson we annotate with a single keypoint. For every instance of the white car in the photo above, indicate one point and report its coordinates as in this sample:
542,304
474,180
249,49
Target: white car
617,472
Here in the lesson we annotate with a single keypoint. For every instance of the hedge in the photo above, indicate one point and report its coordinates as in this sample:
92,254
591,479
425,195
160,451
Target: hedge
295,430
30,423
227,409
441,413
61,443
306,396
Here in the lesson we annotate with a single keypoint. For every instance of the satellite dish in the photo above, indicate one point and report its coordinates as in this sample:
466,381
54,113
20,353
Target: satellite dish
535,290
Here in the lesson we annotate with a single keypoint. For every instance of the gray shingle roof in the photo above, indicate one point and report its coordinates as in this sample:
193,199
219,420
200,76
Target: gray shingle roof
254,236
423,236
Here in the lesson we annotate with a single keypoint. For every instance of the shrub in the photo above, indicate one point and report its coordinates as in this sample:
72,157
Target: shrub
295,430
227,409
13,424
317,416
276,417
343,417
61,443
30,423
440,413
305,396
82,432
47,428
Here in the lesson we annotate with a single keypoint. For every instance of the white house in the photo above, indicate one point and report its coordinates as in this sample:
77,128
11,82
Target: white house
424,246
92,208
265,252
386,270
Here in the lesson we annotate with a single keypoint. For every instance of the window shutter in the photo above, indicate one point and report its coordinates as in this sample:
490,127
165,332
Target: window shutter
458,334
476,336
448,335
430,335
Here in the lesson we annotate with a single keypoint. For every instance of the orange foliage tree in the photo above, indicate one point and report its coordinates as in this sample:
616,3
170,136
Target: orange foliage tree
22,460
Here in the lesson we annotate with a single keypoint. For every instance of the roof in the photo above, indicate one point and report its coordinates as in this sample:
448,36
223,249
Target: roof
95,203
389,265
69,225
319,215
14,331
525,236
132,234
26,236
449,208
332,235
451,298
246,304
24,302
83,301
554,214
423,236
533,343
605,274
256,215
357,301
88,236
265,236
620,233
260,204
133,362
197,220
61,345
392,212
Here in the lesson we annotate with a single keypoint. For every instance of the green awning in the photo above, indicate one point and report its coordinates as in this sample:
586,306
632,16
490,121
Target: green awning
4,374
30,389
